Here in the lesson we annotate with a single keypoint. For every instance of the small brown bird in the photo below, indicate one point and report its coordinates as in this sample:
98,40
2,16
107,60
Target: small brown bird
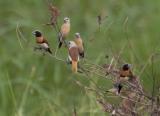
41,41
64,31
73,55
78,40
125,71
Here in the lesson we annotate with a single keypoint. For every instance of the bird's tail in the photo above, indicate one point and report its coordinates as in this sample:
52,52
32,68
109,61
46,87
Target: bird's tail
60,40
81,54
60,44
119,88
74,66
48,49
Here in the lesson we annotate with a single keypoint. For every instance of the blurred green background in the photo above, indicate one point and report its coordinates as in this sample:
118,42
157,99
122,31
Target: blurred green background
36,85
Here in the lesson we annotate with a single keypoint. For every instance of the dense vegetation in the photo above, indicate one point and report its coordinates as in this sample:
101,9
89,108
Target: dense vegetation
34,85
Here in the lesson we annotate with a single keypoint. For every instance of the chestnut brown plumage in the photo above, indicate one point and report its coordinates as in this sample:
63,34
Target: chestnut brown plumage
73,55
41,41
125,71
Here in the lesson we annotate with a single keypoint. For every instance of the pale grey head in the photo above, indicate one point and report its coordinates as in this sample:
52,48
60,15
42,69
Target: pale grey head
66,20
77,35
71,44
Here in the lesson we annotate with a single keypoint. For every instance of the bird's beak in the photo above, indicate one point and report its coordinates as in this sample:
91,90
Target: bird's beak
33,33
129,65
67,43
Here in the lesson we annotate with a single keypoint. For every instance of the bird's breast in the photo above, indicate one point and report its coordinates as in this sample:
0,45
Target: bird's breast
39,40
65,29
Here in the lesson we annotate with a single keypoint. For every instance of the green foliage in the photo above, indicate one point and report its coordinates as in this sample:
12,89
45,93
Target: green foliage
35,85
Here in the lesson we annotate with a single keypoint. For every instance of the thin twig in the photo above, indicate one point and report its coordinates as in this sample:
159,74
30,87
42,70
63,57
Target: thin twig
74,111
18,36
13,95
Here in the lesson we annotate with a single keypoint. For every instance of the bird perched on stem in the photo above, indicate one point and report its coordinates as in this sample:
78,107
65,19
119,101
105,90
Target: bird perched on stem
64,31
78,40
41,41
73,55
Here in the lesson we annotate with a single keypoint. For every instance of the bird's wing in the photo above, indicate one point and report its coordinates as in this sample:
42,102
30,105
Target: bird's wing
74,54
83,45
45,41
79,43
